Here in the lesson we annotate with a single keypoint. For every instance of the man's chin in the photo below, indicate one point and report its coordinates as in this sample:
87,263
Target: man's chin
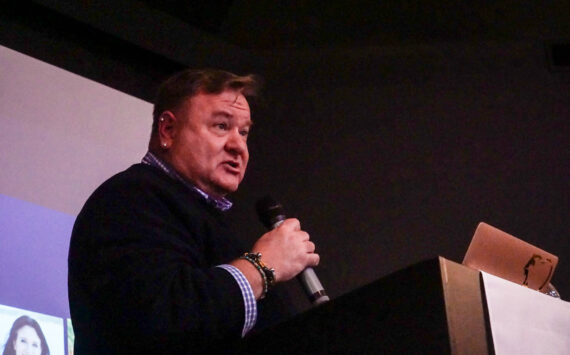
226,187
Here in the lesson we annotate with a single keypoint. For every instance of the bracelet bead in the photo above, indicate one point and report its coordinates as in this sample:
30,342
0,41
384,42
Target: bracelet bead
267,273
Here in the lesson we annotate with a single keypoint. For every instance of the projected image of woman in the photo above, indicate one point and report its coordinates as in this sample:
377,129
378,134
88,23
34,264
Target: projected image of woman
26,338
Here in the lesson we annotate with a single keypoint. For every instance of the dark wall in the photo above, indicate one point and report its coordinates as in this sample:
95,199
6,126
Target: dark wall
387,155
393,155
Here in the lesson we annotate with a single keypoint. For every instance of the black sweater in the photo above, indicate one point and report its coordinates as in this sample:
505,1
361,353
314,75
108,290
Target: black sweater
142,275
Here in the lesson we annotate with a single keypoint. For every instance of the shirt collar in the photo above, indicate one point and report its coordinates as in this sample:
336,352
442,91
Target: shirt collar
222,203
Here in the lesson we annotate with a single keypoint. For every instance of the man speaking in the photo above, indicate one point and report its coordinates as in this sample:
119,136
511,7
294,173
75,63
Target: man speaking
153,266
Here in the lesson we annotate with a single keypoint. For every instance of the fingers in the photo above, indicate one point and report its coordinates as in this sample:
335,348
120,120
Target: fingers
314,259
288,249
292,223
310,247
302,236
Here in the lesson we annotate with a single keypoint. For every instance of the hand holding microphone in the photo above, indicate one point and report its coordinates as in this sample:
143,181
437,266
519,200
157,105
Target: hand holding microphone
288,249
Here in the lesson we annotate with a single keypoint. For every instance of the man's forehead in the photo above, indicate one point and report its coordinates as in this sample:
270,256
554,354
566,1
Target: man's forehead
228,97
234,99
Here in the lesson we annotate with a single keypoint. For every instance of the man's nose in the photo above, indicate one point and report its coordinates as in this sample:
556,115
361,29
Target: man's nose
236,142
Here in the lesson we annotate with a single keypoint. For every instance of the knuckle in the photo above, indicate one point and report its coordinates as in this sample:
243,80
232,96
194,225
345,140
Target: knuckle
301,236
294,222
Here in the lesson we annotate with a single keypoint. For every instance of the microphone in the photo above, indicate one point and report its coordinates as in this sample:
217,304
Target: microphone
271,214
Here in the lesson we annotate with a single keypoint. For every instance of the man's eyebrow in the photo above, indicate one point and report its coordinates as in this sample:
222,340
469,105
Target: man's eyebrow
229,115
222,113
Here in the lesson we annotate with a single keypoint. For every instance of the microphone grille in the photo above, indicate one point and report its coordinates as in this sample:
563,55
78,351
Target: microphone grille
269,211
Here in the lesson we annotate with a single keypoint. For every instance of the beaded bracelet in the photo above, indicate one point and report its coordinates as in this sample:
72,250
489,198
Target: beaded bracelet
267,274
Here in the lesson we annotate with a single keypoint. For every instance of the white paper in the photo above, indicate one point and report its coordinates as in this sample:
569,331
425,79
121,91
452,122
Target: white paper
524,321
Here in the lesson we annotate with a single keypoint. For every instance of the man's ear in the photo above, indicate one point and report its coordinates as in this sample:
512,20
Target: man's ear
167,129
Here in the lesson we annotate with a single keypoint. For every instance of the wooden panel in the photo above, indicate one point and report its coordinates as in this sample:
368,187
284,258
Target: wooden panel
464,308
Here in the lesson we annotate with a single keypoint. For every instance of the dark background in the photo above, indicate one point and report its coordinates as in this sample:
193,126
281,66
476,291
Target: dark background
391,129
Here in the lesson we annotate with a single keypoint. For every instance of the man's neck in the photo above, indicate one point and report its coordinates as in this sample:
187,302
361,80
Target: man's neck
220,203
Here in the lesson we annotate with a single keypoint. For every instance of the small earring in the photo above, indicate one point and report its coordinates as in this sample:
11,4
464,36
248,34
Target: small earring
162,119
164,145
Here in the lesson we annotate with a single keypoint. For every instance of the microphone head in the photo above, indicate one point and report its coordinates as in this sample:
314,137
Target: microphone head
270,212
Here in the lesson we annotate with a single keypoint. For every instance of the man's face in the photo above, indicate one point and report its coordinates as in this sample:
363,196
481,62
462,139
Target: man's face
209,141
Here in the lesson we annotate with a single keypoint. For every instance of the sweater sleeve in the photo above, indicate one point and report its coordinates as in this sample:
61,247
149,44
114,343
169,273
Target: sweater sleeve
249,300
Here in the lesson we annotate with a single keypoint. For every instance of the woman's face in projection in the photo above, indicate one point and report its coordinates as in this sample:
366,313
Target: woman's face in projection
27,342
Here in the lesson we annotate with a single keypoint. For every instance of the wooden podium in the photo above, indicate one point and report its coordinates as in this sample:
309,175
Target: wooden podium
433,307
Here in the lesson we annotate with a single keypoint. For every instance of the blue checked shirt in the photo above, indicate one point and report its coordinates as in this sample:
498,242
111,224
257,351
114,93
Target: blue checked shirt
222,204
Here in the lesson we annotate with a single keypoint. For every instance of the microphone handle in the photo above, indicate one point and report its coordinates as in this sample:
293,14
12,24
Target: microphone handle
308,279
312,286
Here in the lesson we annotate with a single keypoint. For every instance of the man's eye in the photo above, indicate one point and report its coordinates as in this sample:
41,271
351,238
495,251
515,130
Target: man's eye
244,132
222,126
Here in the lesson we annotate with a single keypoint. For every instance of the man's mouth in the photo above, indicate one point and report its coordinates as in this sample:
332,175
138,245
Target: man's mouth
233,165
